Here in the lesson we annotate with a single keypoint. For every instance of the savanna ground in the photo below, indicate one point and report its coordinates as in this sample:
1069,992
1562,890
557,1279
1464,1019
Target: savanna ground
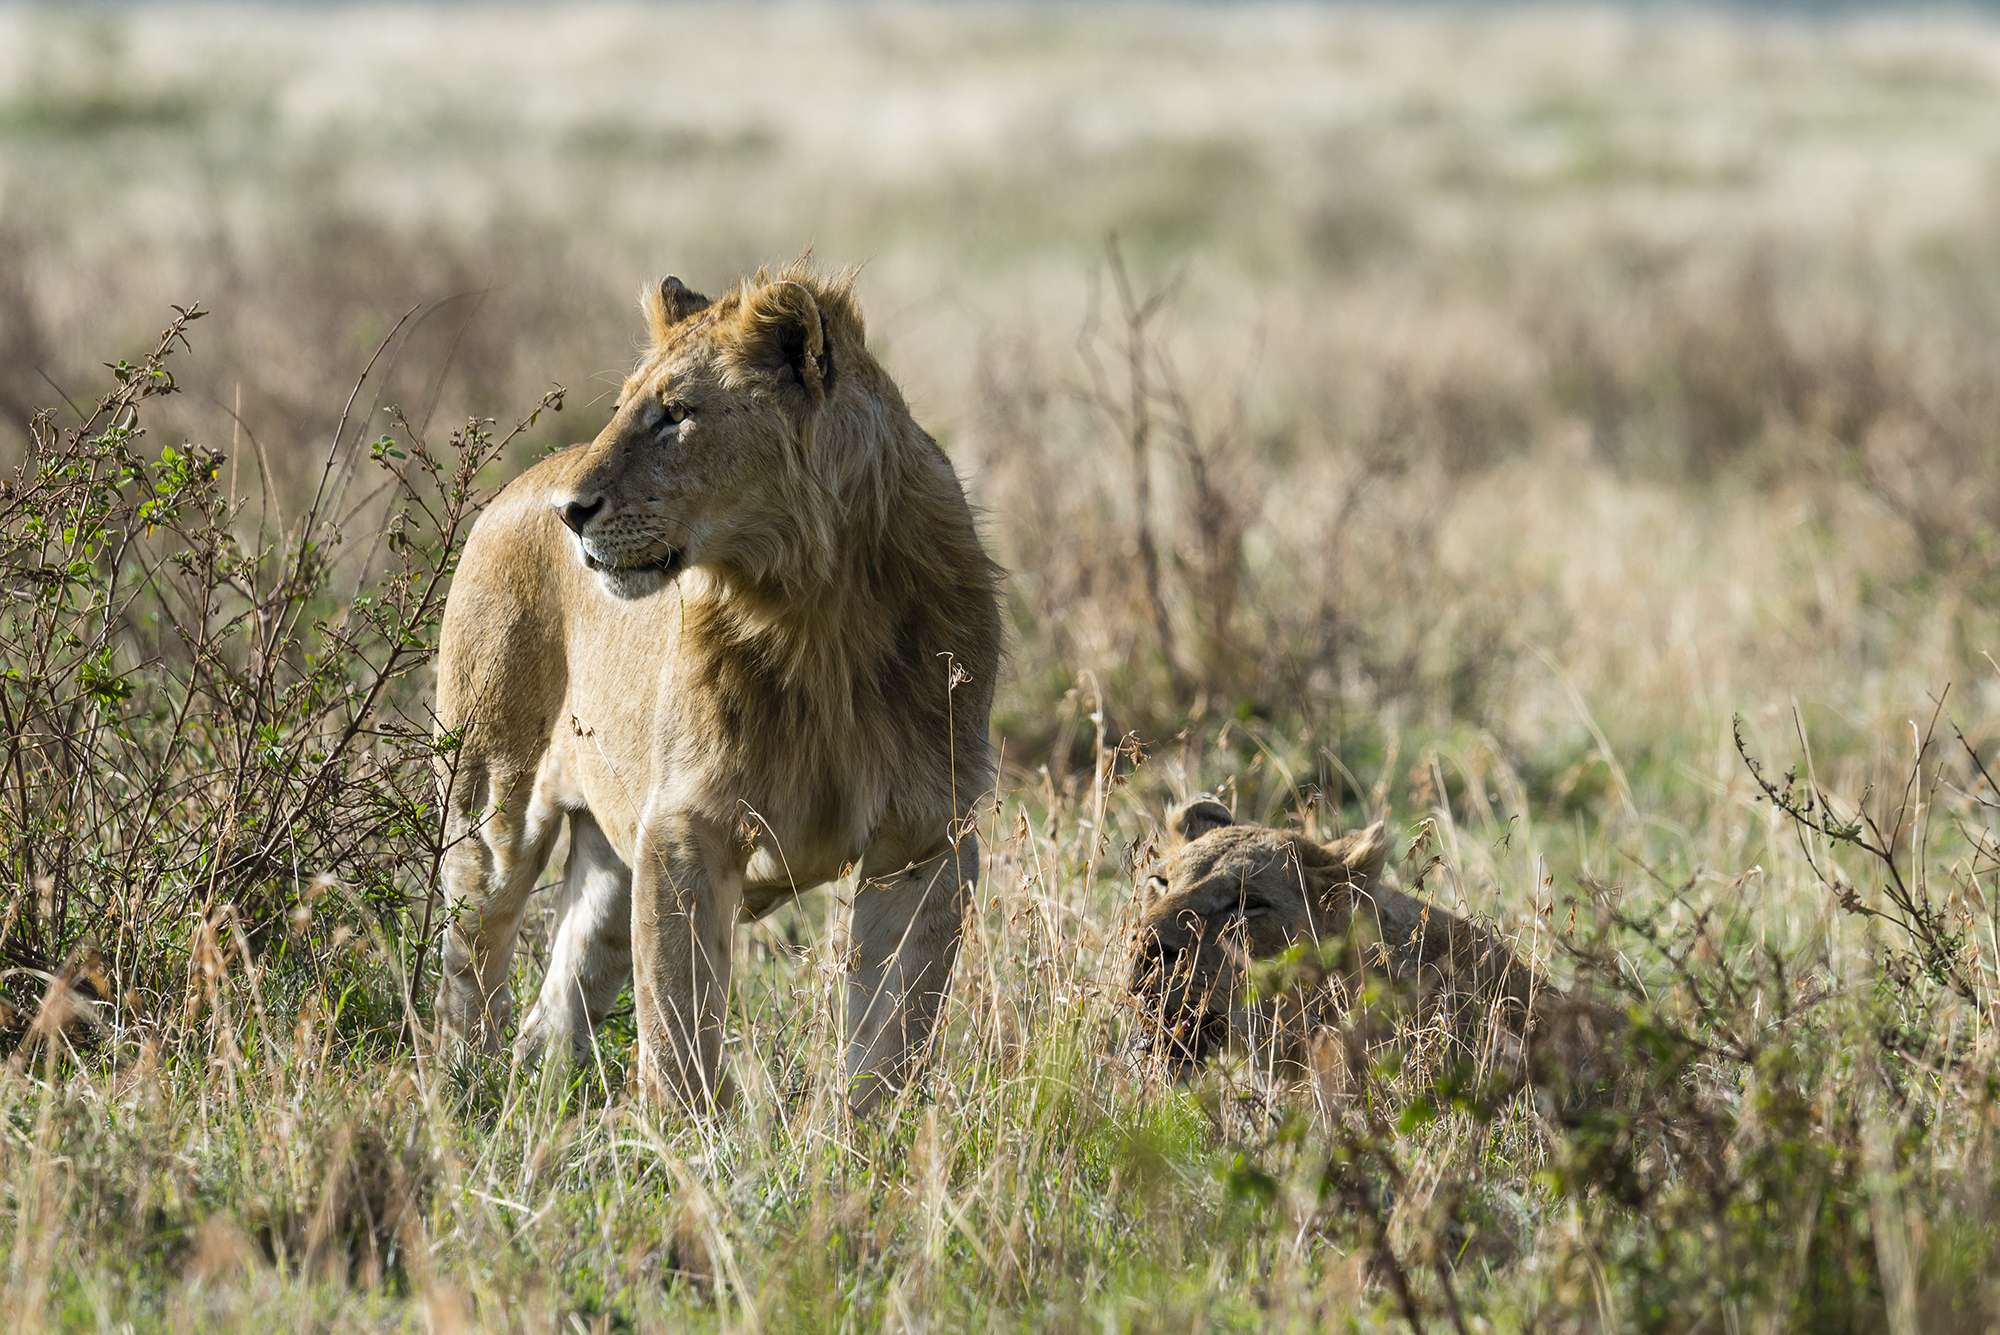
1475,415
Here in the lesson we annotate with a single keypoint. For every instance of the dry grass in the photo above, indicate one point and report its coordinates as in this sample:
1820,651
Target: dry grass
1527,394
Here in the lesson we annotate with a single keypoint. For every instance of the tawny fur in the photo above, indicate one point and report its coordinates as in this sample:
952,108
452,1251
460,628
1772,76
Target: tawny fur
1230,895
765,653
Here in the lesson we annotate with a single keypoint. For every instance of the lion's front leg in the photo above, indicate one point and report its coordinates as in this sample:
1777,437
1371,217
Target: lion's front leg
686,889
906,926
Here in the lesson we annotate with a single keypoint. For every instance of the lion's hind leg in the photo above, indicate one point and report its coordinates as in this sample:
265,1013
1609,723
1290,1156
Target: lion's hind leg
501,831
592,956
905,929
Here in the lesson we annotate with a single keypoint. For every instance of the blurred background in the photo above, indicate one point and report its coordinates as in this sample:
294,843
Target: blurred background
1543,385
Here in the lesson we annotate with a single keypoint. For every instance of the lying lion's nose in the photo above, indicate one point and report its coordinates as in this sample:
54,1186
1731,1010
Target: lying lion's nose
576,514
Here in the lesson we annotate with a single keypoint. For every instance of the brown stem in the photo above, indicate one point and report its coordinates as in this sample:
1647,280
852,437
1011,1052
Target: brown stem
1138,431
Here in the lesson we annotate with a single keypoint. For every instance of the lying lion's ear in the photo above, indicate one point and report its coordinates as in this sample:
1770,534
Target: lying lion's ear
1362,852
783,337
1195,819
669,304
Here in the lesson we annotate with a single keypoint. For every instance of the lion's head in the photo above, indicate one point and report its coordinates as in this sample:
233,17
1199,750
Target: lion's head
1228,895
1231,895
714,456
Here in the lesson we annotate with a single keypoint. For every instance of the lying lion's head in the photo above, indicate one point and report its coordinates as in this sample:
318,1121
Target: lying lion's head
1229,894
715,454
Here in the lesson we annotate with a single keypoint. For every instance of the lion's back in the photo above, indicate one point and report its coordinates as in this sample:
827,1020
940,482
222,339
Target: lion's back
501,664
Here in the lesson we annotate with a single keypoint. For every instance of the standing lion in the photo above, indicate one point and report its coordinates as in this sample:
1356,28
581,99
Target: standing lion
744,640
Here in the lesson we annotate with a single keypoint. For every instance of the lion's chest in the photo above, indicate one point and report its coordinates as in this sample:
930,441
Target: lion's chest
797,772
809,831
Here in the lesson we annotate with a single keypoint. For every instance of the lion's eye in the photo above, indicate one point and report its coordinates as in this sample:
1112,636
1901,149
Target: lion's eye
676,413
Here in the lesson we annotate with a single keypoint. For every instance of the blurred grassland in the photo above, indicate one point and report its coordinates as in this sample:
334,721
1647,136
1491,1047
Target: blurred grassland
1533,392
1656,344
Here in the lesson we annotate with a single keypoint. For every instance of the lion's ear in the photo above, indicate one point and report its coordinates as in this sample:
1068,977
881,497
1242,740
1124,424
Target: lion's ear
669,304
1361,853
1192,820
782,337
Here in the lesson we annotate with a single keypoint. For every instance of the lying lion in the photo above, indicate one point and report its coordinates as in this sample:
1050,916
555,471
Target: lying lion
1230,896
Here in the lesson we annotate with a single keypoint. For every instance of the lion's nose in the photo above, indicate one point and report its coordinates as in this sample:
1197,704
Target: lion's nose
576,514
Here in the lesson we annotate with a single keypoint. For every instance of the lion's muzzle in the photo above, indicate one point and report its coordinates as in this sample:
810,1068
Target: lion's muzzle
613,546
1181,1000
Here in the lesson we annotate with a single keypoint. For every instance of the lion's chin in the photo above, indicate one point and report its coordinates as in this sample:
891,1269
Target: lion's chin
628,582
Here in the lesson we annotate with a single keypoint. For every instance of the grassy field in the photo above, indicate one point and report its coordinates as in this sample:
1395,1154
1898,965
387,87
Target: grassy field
1533,409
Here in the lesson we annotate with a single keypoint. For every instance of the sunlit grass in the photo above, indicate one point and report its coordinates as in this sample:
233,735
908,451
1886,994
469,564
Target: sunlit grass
1537,392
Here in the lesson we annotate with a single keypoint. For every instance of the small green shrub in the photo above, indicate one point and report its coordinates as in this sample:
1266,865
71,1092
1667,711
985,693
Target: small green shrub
215,733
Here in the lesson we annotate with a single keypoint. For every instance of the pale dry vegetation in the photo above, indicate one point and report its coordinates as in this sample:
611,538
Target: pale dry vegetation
1475,413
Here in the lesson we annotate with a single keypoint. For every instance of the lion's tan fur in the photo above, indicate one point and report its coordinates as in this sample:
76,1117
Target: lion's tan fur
735,678
1231,895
